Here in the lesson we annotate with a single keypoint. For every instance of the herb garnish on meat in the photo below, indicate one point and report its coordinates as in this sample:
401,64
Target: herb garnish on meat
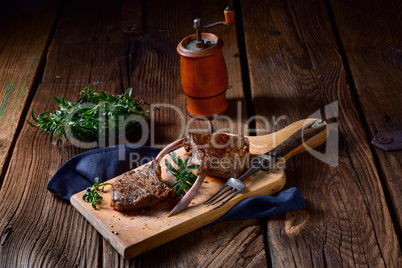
91,195
184,177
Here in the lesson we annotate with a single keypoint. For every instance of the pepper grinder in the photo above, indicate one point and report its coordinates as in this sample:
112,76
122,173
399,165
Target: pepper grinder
203,71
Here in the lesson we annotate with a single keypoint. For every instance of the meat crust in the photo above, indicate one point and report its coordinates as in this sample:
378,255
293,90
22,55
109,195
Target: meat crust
222,155
140,189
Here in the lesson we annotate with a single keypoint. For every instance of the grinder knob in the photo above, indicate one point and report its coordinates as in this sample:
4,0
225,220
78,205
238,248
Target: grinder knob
229,15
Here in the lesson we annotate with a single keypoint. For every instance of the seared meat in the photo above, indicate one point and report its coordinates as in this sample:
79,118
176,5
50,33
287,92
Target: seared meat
137,189
220,155
223,155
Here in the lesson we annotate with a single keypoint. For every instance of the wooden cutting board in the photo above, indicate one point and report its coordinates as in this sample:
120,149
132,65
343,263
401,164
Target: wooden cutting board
132,234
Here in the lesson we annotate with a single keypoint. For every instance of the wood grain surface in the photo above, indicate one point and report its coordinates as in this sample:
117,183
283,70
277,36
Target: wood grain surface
83,52
291,58
90,49
22,54
372,38
295,70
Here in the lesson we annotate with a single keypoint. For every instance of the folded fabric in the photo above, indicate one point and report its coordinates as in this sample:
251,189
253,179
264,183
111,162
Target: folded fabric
80,172
263,206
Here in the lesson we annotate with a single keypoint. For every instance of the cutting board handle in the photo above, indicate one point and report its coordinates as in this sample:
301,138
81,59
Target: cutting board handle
310,135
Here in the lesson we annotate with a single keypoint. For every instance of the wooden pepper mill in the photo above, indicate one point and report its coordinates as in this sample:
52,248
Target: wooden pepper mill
204,76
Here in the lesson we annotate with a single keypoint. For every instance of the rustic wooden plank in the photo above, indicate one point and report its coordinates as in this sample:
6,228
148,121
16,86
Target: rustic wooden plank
223,245
296,69
22,52
47,231
90,50
372,38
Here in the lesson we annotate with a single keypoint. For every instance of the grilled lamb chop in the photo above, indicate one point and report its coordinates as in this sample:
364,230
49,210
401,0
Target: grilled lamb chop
217,154
138,189
144,188
225,156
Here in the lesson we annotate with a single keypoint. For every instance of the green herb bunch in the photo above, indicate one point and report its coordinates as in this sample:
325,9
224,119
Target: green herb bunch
91,195
92,115
184,177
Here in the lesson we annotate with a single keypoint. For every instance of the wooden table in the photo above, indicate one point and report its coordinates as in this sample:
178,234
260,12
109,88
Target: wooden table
286,59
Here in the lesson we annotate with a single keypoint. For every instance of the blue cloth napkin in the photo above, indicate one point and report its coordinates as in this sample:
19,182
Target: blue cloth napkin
80,172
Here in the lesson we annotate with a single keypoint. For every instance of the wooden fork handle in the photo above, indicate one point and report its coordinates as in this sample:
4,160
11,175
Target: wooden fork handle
289,147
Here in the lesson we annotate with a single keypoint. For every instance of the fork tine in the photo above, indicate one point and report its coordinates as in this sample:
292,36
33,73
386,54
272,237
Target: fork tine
217,194
230,198
224,196
230,189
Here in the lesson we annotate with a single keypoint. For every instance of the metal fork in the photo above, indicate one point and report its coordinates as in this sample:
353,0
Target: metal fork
230,189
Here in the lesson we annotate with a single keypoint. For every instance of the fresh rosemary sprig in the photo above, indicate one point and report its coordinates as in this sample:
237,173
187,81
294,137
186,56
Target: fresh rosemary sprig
184,178
91,195
94,113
